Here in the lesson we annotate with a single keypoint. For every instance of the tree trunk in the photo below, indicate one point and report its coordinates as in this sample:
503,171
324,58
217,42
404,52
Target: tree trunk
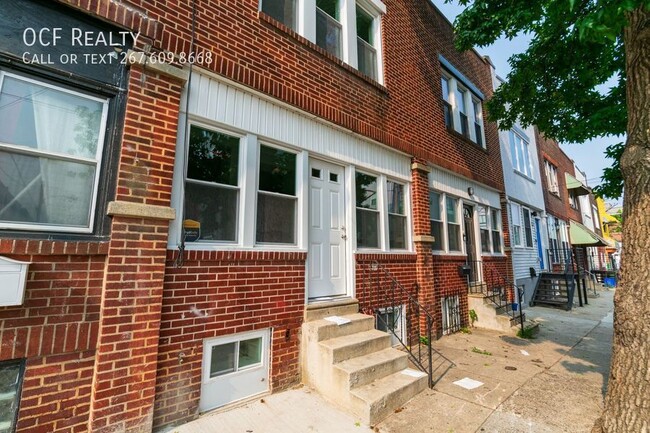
627,403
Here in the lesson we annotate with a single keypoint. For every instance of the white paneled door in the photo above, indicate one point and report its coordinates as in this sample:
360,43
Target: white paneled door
327,231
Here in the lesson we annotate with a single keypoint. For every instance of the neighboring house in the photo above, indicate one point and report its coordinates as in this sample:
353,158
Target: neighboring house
610,226
186,227
525,204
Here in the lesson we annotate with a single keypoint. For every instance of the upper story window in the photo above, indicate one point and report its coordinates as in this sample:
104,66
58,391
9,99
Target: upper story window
329,27
551,178
519,150
594,210
282,10
51,143
347,29
573,199
462,108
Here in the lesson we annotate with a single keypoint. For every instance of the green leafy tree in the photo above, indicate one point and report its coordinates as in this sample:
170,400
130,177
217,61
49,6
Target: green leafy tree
577,46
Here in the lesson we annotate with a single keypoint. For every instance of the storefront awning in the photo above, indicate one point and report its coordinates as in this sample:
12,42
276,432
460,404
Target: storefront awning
574,184
581,236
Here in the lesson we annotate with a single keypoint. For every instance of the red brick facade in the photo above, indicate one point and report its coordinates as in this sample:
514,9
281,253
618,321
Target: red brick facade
112,331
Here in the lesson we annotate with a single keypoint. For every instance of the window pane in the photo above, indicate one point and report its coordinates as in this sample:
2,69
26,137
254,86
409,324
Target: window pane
452,206
397,231
277,170
366,190
222,359
276,219
434,206
395,198
445,88
328,33
250,352
367,229
282,10
215,208
330,7
485,241
364,26
494,221
367,62
436,232
9,384
45,191
47,119
527,228
460,99
453,233
485,232
213,156
496,241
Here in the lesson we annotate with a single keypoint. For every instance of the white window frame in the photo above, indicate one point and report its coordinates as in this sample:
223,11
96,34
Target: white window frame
456,88
496,221
459,223
276,194
248,180
525,211
551,178
443,226
404,215
516,222
11,148
520,150
594,210
382,208
240,180
306,27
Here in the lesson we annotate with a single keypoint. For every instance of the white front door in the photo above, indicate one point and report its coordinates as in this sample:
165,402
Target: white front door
234,367
327,232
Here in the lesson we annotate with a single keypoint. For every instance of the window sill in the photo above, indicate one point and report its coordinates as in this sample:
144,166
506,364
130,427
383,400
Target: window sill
494,255
525,176
226,247
266,19
451,253
468,140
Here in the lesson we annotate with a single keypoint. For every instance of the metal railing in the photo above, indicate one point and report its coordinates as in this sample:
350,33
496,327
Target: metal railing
398,311
487,280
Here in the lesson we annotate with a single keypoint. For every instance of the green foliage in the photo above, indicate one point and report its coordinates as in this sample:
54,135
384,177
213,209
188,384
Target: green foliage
424,340
576,48
473,317
481,351
528,333
465,330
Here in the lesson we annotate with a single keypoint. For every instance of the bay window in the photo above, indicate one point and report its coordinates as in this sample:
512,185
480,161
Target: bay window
51,143
462,106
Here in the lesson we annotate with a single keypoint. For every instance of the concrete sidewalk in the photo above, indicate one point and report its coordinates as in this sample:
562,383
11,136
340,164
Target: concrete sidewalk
554,383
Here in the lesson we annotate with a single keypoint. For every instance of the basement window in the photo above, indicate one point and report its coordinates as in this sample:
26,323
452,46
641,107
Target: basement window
11,378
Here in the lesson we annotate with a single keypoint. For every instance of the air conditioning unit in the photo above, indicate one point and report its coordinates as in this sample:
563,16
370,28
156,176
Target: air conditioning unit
13,279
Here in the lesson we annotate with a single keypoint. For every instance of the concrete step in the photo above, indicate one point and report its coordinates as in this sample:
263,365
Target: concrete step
318,310
324,330
361,370
361,343
374,401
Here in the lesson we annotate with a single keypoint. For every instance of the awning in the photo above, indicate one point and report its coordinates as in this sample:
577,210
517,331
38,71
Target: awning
581,236
578,187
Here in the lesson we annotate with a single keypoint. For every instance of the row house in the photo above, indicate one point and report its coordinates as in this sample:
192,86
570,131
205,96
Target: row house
188,189
525,205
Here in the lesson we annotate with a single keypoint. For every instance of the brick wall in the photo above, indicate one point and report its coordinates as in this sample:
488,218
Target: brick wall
557,206
55,330
221,293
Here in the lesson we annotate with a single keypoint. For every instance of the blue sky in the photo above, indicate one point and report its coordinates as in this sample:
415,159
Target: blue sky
590,156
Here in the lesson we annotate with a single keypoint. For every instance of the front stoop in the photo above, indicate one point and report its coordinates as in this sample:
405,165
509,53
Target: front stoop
490,316
354,366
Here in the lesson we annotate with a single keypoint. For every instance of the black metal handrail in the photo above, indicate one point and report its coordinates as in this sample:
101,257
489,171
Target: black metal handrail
393,305
486,279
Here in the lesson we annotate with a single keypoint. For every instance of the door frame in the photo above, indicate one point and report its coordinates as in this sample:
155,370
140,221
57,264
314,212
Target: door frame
349,263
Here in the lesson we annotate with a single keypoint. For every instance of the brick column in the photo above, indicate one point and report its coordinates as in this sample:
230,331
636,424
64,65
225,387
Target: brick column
124,379
422,235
